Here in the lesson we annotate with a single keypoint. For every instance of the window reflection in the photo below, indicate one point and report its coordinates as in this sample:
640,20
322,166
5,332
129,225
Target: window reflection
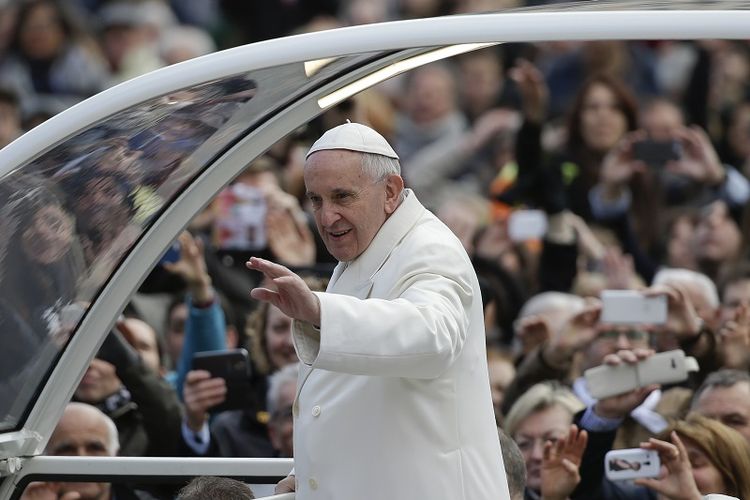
70,216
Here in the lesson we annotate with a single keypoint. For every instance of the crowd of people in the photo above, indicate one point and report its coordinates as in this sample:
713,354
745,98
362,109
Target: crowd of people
634,154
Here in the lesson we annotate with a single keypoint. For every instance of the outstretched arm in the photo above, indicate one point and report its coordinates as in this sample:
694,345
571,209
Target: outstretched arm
292,295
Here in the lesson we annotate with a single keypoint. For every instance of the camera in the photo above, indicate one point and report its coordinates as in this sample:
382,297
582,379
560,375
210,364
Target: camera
657,153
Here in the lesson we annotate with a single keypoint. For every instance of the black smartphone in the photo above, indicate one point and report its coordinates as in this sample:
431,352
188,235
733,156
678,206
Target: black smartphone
657,153
233,365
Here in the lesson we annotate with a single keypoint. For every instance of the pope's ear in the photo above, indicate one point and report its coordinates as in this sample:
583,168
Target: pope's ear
394,185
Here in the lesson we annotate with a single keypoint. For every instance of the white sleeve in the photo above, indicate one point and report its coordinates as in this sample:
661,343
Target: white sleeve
418,334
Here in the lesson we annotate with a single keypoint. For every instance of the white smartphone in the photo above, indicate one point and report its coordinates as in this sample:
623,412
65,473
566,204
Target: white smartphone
524,225
632,307
631,463
667,367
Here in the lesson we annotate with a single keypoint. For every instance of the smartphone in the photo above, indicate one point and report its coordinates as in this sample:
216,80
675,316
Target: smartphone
233,365
524,225
667,367
627,307
657,153
631,463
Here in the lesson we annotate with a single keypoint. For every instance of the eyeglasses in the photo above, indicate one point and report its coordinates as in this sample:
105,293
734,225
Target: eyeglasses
631,335
527,443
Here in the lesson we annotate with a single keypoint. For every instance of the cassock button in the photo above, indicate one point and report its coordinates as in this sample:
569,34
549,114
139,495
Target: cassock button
313,483
316,411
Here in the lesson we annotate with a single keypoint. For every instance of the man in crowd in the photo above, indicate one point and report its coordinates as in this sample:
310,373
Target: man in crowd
126,385
394,351
577,335
83,431
215,488
725,396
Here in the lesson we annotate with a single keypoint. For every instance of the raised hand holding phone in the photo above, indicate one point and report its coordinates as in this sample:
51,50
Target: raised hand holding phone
631,463
698,160
677,481
682,319
576,332
612,379
619,165
233,366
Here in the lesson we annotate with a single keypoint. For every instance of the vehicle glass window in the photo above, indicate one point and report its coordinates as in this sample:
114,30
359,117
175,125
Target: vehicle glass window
71,214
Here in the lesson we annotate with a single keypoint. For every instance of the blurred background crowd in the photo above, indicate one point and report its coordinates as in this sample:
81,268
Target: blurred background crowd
565,168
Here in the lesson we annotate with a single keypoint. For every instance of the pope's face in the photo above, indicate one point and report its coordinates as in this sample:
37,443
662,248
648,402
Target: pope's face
348,204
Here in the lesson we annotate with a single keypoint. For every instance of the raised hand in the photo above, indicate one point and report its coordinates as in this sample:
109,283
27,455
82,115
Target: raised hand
289,237
676,481
699,161
491,123
201,393
619,270
533,88
682,319
576,332
619,166
191,267
531,331
621,405
588,243
734,337
560,463
292,295
286,485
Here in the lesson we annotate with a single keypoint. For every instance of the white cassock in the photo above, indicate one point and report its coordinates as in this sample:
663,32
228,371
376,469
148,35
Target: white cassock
393,399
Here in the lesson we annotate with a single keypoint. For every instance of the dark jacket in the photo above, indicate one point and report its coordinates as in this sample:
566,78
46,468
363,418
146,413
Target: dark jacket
149,419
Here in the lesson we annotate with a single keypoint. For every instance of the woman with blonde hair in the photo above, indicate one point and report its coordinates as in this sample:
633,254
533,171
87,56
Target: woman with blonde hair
544,413
703,457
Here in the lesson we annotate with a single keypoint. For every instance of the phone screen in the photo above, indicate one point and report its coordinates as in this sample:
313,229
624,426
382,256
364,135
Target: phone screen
657,153
631,463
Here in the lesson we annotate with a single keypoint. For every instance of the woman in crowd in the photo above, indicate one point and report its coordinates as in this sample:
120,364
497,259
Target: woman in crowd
42,257
50,62
544,413
703,457
40,264
603,112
